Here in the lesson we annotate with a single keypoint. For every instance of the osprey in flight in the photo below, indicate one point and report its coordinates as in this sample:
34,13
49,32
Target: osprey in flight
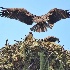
42,22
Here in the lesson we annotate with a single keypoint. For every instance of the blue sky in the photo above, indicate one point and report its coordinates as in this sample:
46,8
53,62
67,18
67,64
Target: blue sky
15,30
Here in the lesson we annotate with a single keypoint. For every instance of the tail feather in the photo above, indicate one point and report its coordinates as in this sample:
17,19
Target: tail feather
39,27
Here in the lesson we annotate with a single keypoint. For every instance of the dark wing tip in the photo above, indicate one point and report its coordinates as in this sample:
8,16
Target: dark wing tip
67,13
2,11
2,7
1,14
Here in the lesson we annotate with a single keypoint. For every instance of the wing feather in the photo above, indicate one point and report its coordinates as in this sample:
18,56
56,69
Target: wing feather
20,14
23,15
55,15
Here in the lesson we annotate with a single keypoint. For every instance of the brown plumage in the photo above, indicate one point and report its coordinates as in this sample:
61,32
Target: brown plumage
51,39
29,36
26,17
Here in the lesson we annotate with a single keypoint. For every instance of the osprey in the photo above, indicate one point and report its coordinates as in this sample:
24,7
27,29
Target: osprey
51,39
43,21
29,36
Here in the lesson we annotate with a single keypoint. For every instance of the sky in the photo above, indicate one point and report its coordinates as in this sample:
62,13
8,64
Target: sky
12,29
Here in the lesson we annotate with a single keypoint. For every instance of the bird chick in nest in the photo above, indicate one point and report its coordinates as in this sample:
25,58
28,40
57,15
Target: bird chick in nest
29,37
51,39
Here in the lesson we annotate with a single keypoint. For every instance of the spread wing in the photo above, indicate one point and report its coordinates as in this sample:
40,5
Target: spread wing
55,15
23,15
51,17
20,14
